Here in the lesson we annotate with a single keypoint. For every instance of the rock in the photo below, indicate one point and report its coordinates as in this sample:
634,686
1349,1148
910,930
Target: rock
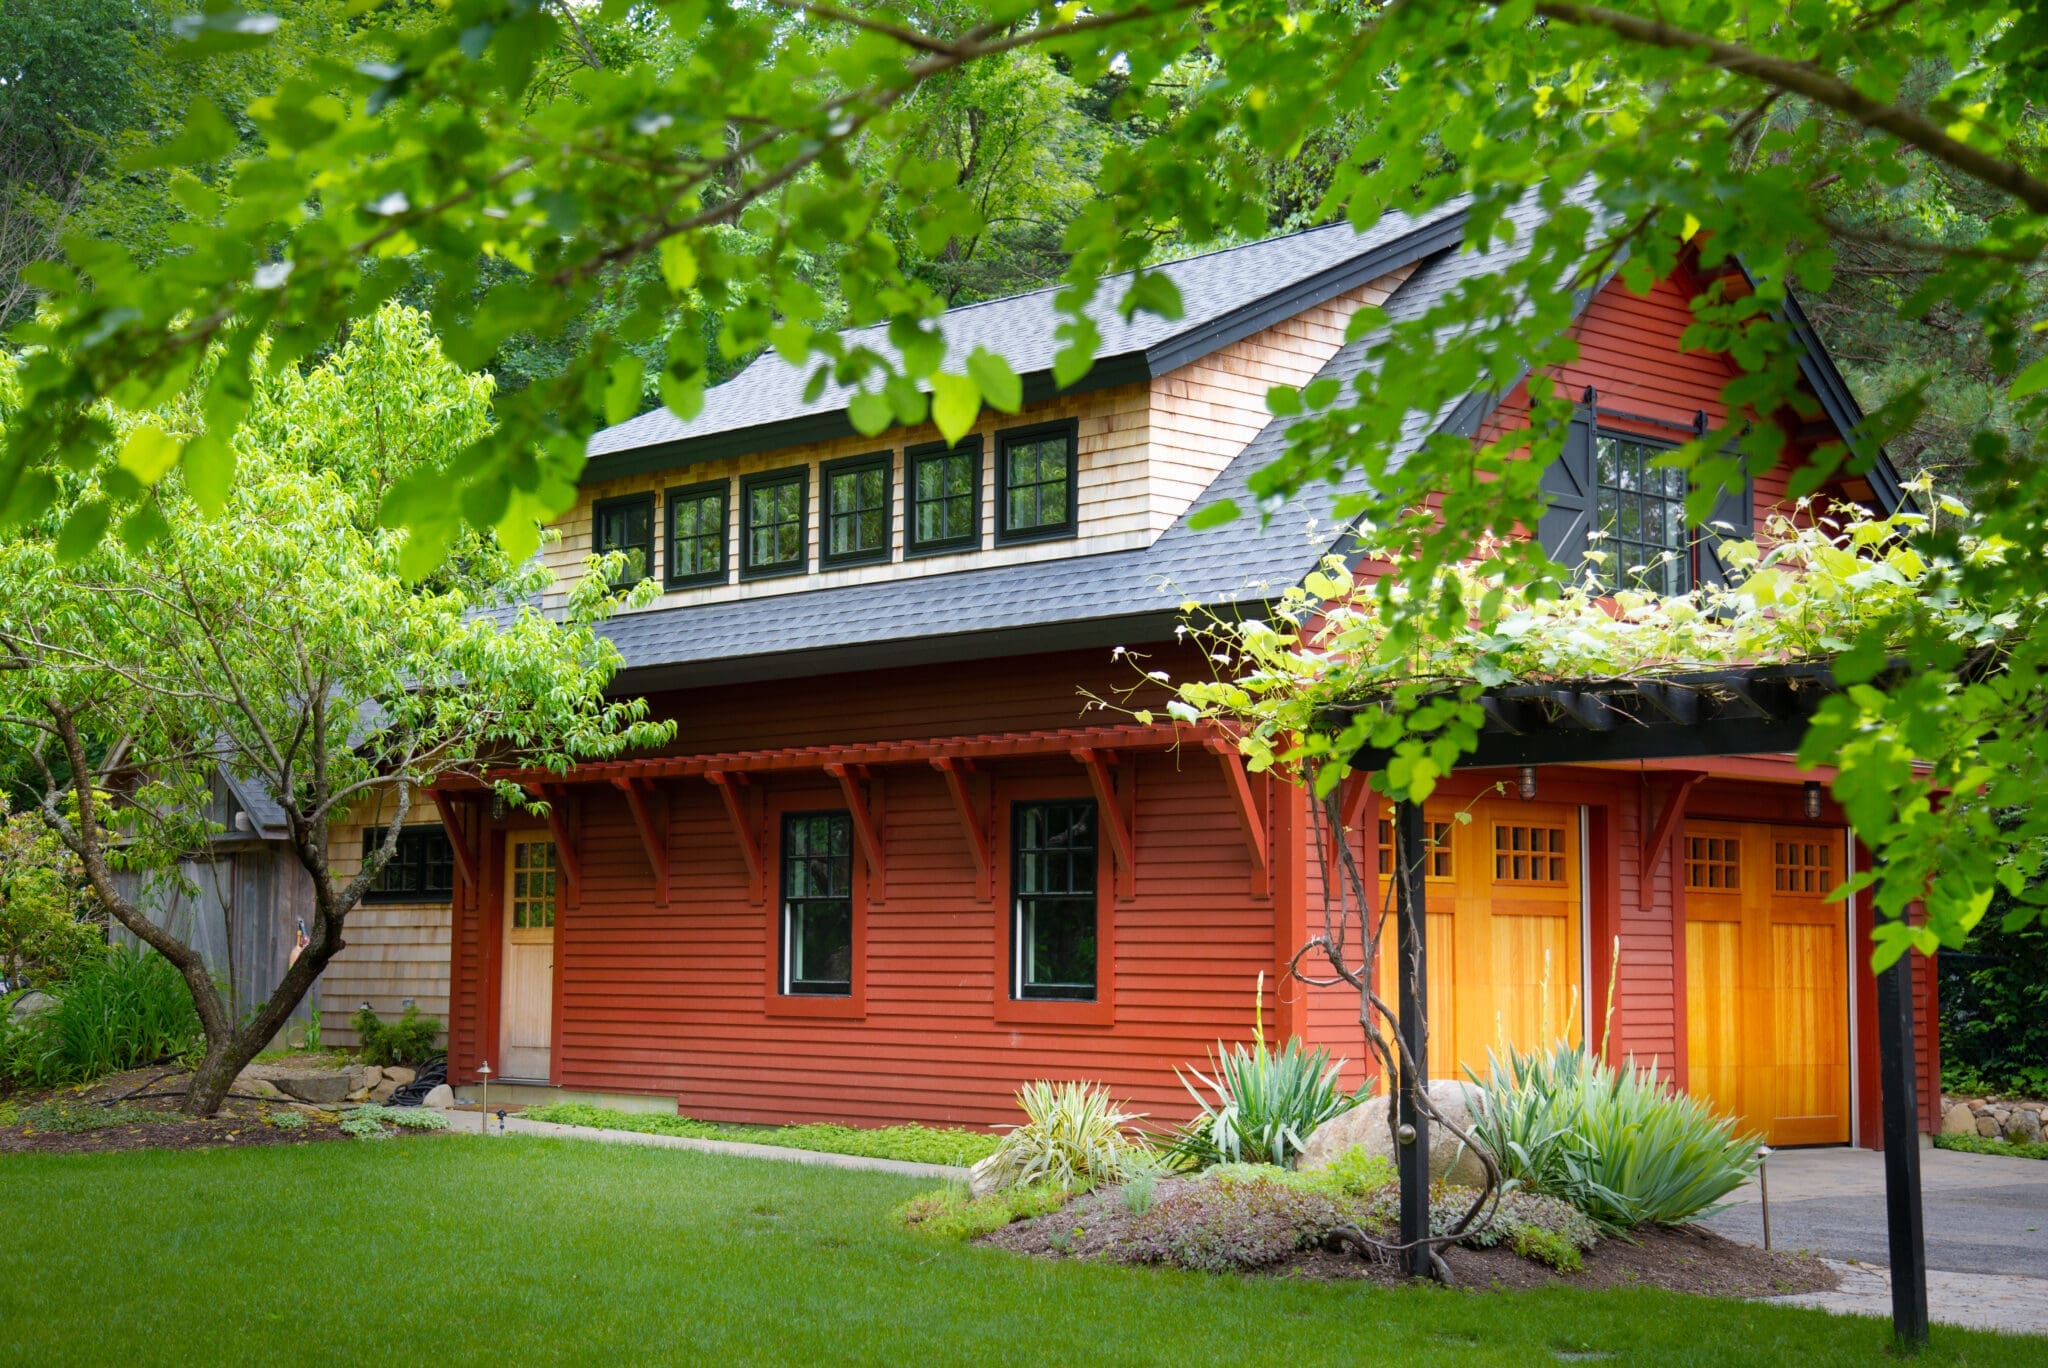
1366,1126
399,1077
1987,1127
29,1002
981,1178
360,1095
1959,1120
249,1086
441,1098
364,1076
2024,1127
318,1088
382,1092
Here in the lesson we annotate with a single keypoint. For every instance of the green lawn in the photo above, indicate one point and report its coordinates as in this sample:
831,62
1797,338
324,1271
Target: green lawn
517,1250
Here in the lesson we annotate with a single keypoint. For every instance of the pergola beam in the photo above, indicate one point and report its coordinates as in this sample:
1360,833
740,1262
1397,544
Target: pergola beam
1115,820
1245,803
651,837
971,821
742,830
851,780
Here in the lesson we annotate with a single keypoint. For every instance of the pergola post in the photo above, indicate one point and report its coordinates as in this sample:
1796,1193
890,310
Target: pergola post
1411,918
1895,1049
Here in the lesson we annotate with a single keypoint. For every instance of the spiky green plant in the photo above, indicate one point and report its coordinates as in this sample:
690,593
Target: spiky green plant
1615,1141
1072,1134
1266,1102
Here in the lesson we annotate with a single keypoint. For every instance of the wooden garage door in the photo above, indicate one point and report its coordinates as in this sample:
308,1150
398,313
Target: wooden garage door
1767,998
1504,935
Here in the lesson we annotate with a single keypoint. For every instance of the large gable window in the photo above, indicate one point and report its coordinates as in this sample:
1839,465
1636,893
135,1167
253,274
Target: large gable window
774,509
696,534
856,517
817,904
1035,475
1639,509
1053,933
944,498
625,524
422,868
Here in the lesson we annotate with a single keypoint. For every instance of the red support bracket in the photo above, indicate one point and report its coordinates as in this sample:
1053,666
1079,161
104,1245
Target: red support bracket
652,836
1659,833
865,827
567,857
462,834
1116,818
971,820
742,829
1249,811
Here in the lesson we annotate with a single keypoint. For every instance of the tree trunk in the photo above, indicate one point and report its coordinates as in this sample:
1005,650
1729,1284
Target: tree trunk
216,1074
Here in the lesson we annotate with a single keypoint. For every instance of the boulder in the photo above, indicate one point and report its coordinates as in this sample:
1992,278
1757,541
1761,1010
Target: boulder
399,1077
363,1077
981,1181
1365,1125
1988,1127
382,1092
360,1095
2024,1127
29,1002
249,1086
441,1098
321,1089
1959,1120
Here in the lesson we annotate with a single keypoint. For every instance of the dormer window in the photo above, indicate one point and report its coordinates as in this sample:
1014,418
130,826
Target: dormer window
625,524
774,509
943,498
1035,476
1639,508
857,507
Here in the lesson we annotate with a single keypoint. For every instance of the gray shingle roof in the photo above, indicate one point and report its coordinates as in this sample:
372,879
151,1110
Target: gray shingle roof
1082,600
1225,295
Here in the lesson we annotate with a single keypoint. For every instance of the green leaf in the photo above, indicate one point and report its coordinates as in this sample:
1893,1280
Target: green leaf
956,402
209,466
999,385
82,531
622,391
149,453
870,412
207,136
678,263
1213,515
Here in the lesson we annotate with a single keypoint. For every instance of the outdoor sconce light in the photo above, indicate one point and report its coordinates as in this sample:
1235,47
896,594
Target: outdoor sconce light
498,808
1527,788
1813,800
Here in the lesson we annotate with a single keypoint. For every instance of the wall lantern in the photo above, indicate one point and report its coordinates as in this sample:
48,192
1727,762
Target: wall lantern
498,807
1527,787
1812,800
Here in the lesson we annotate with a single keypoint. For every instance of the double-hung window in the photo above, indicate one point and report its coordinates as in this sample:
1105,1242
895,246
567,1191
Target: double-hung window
625,524
943,498
774,509
1640,511
856,516
422,868
1035,475
696,534
1053,900
817,904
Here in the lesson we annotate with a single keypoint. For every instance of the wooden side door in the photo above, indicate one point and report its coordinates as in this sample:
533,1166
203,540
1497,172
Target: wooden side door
526,999
1767,996
1504,951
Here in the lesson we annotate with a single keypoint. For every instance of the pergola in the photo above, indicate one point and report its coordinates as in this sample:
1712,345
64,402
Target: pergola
1762,709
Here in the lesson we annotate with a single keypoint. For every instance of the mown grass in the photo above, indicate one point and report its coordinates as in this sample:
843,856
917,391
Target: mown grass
518,1249
916,1144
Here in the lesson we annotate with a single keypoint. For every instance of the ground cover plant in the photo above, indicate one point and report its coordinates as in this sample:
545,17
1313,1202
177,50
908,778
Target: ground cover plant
1978,1144
614,1253
915,1144
118,1009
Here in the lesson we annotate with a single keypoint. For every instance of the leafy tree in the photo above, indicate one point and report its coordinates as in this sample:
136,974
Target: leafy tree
49,916
1731,136
278,641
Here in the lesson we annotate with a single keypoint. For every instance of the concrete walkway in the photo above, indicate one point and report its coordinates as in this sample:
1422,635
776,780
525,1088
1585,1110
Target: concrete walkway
472,1122
1978,1301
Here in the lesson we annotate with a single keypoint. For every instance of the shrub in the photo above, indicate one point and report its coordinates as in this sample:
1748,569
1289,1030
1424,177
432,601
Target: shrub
120,1009
1614,1142
1358,1171
1266,1103
1071,1132
408,1040
952,1214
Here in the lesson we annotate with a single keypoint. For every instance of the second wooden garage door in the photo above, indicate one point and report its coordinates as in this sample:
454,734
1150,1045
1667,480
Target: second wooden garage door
1504,939
1767,999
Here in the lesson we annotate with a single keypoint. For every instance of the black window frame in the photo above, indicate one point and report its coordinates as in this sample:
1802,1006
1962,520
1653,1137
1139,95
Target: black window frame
801,475
619,504
1606,540
786,983
1069,428
884,461
1022,990
674,498
968,447
417,859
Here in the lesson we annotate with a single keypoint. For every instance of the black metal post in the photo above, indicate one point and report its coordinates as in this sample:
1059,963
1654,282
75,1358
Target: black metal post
1411,915
1895,1048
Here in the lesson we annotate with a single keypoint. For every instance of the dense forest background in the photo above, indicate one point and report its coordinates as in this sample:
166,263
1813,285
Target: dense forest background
87,84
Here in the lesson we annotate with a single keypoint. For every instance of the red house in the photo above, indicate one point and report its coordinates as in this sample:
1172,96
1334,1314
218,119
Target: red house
891,868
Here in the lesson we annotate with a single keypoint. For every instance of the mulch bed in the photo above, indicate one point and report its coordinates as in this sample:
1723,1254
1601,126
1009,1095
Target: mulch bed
145,1122
1678,1259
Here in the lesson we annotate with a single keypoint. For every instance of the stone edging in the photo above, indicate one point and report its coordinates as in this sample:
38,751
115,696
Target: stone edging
1995,1118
